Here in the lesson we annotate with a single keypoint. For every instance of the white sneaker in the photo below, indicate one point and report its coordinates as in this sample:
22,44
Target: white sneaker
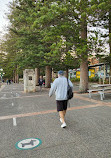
63,125
60,120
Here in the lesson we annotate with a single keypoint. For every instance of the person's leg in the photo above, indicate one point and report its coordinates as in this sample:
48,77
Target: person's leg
40,88
65,107
64,112
61,114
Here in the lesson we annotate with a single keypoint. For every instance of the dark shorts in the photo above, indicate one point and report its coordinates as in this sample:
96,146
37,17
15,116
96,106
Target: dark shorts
61,105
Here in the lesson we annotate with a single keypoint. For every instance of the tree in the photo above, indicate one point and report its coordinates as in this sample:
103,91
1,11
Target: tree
29,40
9,52
54,34
55,26
104,8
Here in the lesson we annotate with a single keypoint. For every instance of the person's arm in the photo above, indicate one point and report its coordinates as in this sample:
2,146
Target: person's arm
52,89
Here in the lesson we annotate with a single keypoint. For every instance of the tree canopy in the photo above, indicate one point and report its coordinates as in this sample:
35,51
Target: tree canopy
60,34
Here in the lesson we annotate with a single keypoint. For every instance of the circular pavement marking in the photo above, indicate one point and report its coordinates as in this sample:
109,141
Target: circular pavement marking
28,143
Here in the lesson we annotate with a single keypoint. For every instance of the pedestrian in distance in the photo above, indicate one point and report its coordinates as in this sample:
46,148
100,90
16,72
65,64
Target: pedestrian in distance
59,87
43,82
40,82
7,81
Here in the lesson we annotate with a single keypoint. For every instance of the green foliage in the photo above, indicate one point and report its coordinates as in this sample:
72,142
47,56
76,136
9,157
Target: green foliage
53,33
75,80
94,79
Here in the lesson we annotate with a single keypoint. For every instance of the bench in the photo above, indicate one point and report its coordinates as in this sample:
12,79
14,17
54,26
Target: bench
93,90
102,96
100,91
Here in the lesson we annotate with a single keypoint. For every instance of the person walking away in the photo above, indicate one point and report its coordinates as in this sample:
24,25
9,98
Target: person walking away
59,87
40,82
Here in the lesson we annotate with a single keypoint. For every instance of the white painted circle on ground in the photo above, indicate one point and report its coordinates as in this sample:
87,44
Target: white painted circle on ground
29,143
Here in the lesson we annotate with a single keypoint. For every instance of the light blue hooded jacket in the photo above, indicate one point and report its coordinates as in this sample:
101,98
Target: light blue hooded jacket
59,87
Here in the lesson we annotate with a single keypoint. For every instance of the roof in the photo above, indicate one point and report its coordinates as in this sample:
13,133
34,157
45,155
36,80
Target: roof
95,65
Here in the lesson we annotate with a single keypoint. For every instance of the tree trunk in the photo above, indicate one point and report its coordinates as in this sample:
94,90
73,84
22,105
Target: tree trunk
17,78
37,75
83,76
13,76
66,73
110,36
84,58
48,75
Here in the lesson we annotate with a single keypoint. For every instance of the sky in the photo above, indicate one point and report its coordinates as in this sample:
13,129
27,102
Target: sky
3,20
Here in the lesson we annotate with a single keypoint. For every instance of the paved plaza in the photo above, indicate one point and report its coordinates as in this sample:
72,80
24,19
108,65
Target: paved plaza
33,115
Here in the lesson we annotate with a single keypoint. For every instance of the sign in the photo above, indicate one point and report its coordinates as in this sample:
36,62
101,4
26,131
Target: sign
29,143
30,77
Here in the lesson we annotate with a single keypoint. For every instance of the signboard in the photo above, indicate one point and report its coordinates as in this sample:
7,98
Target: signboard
77,74
30,77
91,73
29,143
